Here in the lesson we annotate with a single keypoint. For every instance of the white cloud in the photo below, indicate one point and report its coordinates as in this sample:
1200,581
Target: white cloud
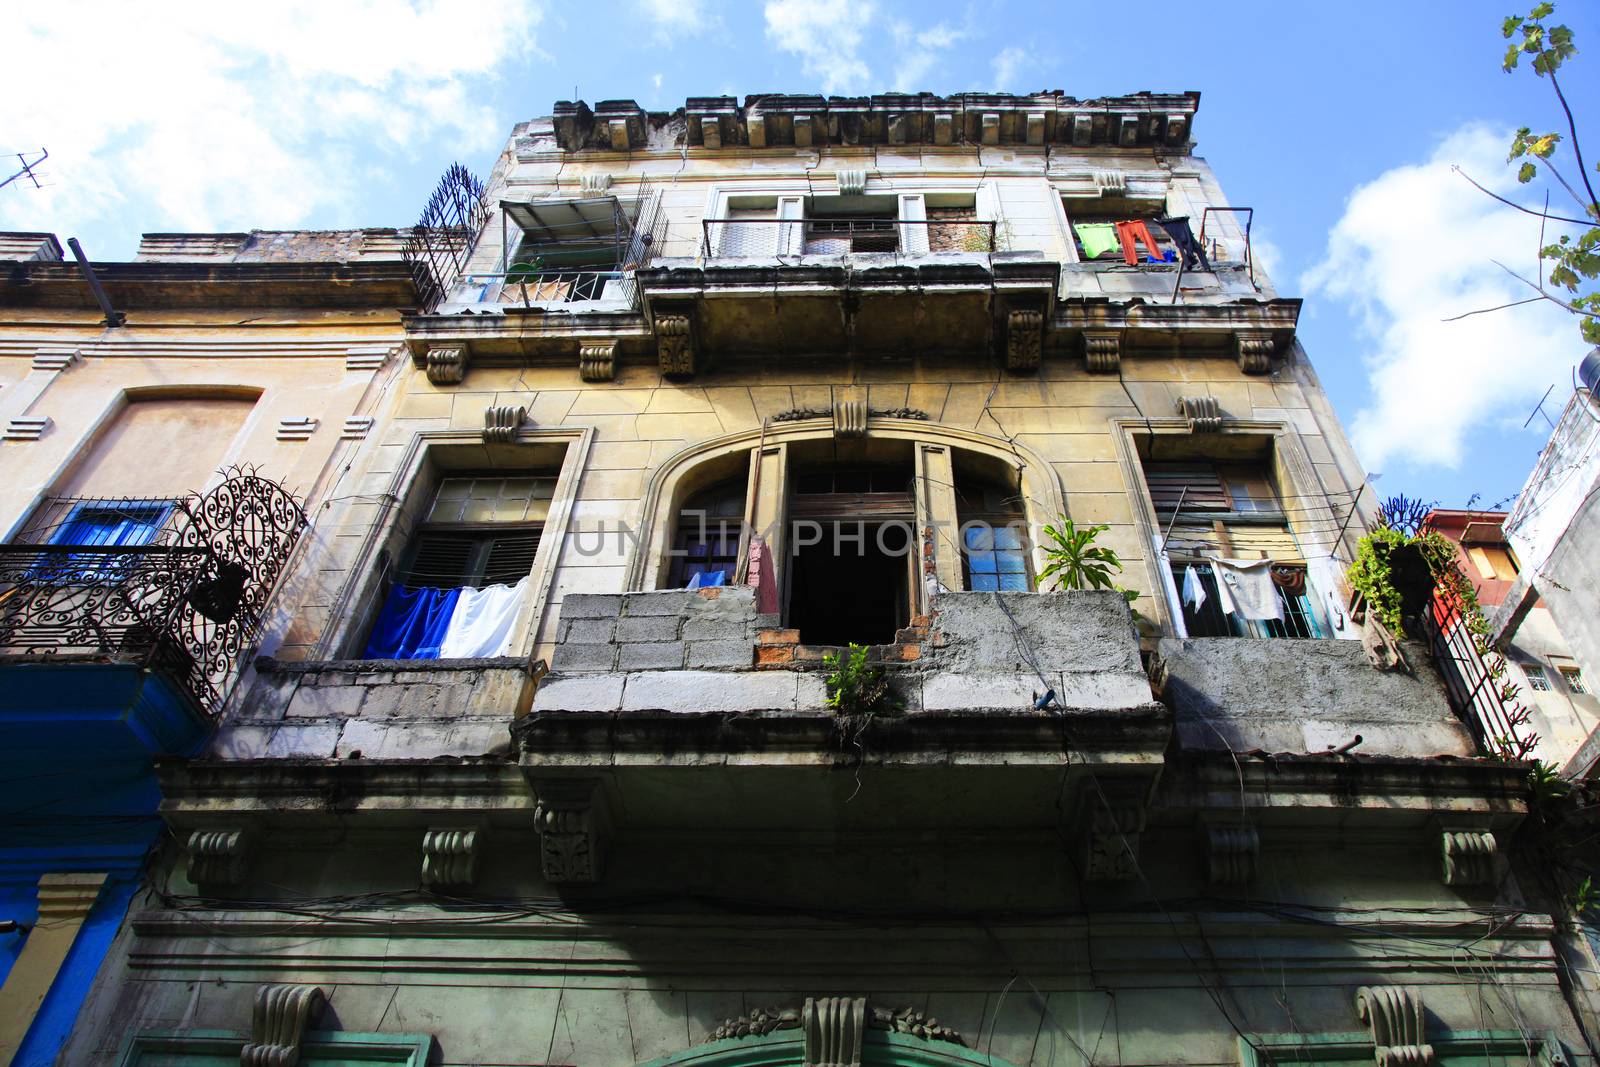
672,19
1416,246
1009,64
919,52
212,116
827,36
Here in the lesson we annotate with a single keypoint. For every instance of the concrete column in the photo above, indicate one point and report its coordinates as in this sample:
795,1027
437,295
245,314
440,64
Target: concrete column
64,903
936,511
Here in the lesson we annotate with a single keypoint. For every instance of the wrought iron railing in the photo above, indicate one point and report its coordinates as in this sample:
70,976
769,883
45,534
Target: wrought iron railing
547,288
1474,682
747,237
188,603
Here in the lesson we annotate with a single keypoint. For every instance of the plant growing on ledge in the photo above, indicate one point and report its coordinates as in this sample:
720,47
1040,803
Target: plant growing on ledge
855,686
1076,562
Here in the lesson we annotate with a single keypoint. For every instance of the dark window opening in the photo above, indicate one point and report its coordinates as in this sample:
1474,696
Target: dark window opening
1095,237
837,225
850,581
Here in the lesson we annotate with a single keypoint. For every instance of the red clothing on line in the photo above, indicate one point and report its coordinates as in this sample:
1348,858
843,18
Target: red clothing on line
1130,233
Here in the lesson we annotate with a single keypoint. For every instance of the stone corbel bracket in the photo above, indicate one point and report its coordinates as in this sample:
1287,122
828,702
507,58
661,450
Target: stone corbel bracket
218,857
850,417
1024,339
449,859
502,421
1102,351
573,822
597,361
1233,853
1255,351
1203,413
1111,820
1395,1014
834,1028
446,364
675,344
1470,856
282,1015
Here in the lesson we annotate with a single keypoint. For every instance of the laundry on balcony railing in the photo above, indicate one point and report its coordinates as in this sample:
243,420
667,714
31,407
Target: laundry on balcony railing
177,586
461,623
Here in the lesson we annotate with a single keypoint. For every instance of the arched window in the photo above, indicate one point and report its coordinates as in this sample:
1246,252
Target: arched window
705,550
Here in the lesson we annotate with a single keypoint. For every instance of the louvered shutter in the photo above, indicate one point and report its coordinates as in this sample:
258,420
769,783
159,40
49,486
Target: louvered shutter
509,557
441,560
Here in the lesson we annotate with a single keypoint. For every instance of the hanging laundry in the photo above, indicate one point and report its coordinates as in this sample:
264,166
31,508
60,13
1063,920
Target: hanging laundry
1182,236
1194,590
1292,580
412,624
1097,238
1130,233
1245,588
762,577
481,623
1324,576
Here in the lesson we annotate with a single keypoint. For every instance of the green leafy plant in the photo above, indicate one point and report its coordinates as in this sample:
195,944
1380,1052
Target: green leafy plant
1076,562
1547,785
1373,573
855,685
1572,260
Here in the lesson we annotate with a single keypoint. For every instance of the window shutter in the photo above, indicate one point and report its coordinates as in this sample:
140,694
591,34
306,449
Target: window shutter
1199,486
510,558
441,560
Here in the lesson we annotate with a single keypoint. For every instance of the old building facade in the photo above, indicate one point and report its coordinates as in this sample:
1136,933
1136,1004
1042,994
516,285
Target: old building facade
539,766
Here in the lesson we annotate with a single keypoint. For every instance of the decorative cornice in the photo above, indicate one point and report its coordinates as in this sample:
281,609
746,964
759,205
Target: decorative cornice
1203,413
446,364
833,1027
1470,857
282,1015
217,857
502,421
1395,1014
802,414
449,859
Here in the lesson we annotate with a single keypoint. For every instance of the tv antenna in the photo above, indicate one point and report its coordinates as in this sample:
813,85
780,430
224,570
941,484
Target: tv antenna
27,169
1539,410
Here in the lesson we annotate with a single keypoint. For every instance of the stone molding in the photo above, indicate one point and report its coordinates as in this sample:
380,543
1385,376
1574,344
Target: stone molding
297,428
1469,856
594,184
1113,820
366,359
1255,352
1203,413
66,898
1395,1014
675,345
54,359
356,427
597,361
571,819
27,427
1102,351
218,857
502,421
282,1015
850,418
449,858
1232,853
1024,339
833,1028
446,364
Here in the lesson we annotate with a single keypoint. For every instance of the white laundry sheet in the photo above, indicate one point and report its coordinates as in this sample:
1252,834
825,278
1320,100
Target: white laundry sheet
1245,588
481,624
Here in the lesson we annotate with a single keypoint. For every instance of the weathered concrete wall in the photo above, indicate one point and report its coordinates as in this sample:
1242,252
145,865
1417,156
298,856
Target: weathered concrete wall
1304,696
1570,584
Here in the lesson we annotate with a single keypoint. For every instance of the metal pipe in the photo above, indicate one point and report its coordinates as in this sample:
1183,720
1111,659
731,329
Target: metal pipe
1174,520
114,317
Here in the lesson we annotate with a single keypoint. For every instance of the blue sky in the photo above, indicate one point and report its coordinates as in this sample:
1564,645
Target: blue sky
1337,122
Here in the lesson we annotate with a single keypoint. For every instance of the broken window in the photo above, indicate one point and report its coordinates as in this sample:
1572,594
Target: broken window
993,534
707,541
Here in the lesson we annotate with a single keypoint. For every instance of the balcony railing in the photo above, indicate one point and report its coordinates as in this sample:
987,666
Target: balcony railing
570,290
188,604
755,238
1476,690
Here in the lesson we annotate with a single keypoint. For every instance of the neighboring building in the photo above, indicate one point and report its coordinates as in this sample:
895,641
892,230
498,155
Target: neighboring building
154,460
1563,705
541,767
1554,530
